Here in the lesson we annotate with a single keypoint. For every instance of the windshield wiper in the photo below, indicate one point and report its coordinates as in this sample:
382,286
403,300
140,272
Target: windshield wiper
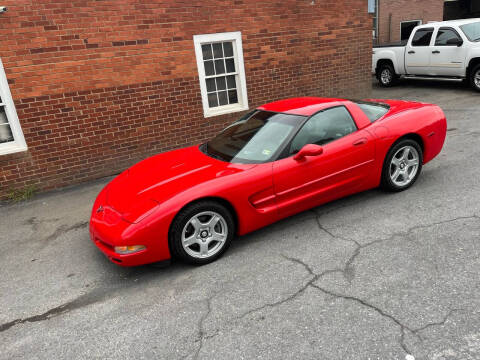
477,39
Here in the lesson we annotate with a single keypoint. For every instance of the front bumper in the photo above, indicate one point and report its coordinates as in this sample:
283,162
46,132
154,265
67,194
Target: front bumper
108,229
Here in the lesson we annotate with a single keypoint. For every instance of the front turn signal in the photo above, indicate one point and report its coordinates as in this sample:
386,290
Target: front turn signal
129,249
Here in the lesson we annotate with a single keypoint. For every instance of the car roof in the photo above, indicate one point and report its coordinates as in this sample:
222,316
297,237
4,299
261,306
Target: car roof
450,22
304,106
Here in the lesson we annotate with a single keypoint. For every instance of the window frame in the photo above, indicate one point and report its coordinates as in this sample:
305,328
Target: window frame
432,29
446,28
241,85
419,22
18,144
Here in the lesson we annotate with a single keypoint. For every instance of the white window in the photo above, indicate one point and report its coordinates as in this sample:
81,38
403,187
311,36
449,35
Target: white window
221,73
11,135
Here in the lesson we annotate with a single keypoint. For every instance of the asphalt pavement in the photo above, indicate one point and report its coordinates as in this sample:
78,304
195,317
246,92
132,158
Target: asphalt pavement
371,276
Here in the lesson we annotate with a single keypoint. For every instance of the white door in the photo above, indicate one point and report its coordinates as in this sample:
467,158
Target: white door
417,52
448,53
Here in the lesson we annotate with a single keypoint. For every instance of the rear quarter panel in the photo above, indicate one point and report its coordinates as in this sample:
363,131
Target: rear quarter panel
406,118
395,54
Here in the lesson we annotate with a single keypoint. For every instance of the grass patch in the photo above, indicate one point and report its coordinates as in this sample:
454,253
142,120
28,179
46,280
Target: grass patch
24,194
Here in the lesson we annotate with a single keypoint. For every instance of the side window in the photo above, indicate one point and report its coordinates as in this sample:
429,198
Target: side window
324,127
422,37
445,35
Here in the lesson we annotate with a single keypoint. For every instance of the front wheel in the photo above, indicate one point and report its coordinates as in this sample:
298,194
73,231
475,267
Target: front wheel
402,166
386,75
475,78
201,233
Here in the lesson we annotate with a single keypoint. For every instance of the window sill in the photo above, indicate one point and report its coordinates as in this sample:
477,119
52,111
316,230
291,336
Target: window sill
12,148
222,110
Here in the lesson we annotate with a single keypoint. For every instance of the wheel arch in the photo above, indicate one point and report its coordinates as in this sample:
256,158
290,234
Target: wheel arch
471,64
217,199
384,61
412,136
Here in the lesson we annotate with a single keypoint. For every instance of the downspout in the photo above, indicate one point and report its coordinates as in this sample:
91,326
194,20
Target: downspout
389,27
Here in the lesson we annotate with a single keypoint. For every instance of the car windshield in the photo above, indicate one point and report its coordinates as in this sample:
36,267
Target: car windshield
374,111
472,31
256,138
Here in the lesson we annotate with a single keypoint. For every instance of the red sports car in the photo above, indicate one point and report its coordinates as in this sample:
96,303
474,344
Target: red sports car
280,159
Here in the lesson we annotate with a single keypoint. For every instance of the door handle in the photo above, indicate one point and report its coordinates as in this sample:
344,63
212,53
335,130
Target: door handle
411,52
435,52
360,142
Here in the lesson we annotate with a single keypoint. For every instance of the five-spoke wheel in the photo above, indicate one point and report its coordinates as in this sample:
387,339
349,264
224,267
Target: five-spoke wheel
204,234
402,165
201,232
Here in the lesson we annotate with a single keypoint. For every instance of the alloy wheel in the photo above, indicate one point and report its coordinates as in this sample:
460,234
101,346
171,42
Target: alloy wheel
404,166
204,234
386,76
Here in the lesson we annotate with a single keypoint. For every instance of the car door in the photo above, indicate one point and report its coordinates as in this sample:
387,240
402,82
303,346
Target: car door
417,52
345,164
448,53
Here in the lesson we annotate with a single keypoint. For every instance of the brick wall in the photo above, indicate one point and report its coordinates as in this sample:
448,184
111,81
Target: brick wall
392,12
101,84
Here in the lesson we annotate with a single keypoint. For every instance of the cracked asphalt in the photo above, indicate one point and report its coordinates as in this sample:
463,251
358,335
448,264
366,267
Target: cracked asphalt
372,276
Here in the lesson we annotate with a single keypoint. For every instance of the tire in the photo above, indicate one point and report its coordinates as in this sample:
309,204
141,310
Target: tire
386,75
400,172
475,78
208,225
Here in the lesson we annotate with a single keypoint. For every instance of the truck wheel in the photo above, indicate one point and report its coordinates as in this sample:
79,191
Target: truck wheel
386,75
475,78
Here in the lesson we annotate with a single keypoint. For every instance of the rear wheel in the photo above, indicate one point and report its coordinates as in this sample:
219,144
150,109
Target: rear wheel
402,165
475,78
201,233
386,75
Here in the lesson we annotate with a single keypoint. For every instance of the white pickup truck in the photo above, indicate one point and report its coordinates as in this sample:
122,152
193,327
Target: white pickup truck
448,49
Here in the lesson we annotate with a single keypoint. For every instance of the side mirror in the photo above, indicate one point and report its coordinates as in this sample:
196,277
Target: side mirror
308,150
455,41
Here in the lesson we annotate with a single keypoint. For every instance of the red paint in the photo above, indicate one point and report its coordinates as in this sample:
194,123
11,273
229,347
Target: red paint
139,205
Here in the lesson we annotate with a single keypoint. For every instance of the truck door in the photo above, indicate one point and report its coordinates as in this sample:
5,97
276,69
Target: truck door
417,52
448,53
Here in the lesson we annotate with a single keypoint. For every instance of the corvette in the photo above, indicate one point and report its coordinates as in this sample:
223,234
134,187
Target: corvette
279,159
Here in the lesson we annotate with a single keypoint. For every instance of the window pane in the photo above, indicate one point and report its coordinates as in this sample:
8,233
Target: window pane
5,131
324,127
207,51
217,50
422,37
221,84
472,31
228,49
222,98
374,111
3,116
211,85
231,82
444,35
209,68
230,65
232,97
212,100
219,67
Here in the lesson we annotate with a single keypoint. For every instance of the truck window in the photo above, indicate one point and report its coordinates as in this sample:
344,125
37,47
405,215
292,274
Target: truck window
472,31
422,37
444,35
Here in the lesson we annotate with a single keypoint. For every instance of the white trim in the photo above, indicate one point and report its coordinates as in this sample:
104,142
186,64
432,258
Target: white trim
18,144
236,38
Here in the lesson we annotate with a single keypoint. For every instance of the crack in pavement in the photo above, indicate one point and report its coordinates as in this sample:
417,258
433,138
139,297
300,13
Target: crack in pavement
62,229
201,331
89,298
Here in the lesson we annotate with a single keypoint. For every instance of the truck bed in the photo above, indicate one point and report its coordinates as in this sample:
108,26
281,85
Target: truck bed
395,44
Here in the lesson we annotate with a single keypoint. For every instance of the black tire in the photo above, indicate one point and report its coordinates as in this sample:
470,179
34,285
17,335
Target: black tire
176,230
386,182
386,75
475,74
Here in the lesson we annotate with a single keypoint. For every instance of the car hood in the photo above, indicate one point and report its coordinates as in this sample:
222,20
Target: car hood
142,187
